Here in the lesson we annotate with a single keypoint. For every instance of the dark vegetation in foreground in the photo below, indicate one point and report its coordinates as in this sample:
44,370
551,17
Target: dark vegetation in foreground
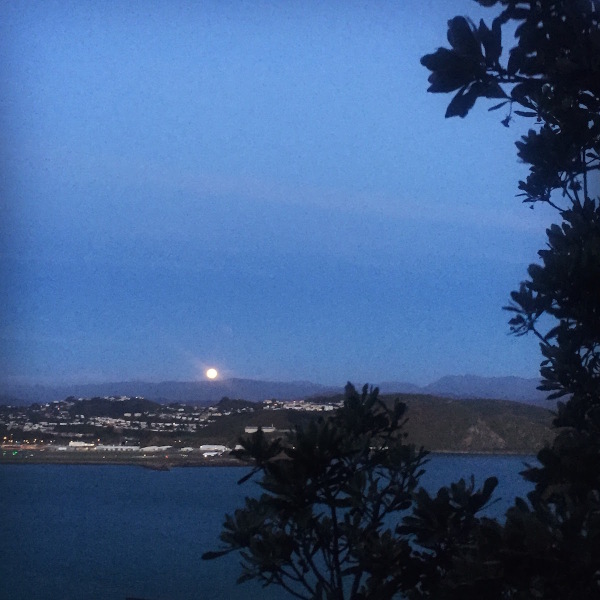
341,515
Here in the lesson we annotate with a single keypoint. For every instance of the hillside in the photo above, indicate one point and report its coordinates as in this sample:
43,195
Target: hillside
439,424
518,389
453,425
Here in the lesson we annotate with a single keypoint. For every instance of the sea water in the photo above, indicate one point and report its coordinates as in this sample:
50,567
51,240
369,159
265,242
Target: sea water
113,532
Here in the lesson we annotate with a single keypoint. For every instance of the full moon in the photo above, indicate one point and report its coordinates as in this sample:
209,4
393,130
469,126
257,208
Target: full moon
212,373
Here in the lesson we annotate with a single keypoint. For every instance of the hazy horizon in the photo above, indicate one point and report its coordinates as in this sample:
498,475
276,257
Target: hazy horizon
393,380
264,188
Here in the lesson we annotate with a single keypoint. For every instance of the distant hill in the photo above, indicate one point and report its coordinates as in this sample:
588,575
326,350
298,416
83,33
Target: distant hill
517,389
502,388
494,426
209,392
442,424
399,387
102,407
439,424
189,392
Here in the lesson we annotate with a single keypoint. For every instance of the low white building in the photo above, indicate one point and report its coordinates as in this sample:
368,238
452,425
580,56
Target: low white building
73,445
155,448
213,449
115,448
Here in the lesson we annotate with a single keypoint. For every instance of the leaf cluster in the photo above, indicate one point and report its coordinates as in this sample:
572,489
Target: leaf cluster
552,74
468,66
549,546
449,539
566,287
323,526
340,514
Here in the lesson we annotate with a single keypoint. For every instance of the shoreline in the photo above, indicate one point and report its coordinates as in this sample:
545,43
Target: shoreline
159,462
168,462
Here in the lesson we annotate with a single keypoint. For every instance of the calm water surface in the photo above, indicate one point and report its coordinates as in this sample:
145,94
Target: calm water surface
109,532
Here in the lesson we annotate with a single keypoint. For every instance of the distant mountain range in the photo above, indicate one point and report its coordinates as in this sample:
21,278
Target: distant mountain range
517,389
190,392
207,392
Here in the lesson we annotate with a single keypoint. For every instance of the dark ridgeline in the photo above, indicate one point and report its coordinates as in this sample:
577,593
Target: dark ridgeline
206,392
190,392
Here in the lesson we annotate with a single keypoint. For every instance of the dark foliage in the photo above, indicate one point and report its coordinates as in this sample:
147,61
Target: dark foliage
549,546
566,286
552,75
333,492
327,524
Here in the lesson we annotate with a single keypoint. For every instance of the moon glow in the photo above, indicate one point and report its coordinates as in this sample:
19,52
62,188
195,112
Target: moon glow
212,373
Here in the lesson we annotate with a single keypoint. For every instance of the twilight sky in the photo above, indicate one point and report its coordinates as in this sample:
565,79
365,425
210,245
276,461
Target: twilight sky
262,187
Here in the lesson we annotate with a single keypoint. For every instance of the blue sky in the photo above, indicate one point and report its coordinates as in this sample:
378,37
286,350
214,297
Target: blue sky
262,187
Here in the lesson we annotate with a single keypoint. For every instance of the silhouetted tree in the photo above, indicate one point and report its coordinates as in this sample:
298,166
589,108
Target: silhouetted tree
332,495
549,547
553,72
341,515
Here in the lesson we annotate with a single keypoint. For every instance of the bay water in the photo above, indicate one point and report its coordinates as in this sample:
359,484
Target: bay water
117,532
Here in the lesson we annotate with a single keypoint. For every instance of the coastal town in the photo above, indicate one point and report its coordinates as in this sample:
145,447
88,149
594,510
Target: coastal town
121,427
130,430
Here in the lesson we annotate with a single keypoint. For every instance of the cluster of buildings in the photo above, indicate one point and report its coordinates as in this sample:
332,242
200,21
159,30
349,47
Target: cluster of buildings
63,419
303,405
205,449
77,424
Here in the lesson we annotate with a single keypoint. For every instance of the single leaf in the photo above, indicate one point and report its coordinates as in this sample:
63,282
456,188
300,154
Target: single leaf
488,487
440,60
214,554
491,40
462,102
462,38
497,106
443,82
245,577
515,60
497,37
